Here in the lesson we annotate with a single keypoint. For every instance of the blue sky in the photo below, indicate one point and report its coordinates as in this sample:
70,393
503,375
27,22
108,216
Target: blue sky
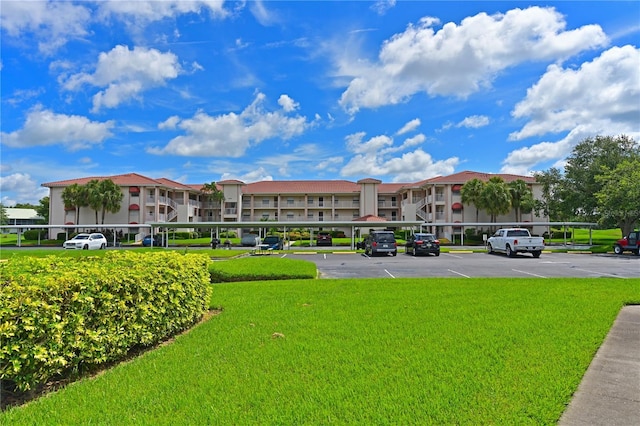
201,91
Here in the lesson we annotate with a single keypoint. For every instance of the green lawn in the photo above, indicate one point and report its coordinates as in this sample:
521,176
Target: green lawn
369,351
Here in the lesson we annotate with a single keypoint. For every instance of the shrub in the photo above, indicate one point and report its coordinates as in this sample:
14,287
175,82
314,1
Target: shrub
63,314
32,234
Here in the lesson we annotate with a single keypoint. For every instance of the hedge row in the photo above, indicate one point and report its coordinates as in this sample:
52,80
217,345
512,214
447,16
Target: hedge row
62,314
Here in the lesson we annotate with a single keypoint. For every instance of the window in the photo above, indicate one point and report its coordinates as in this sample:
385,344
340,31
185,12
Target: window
290,201
310,200
265,202
310,216
265,216
289,216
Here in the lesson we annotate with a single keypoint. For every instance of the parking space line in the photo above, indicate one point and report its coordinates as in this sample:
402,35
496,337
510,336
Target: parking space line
390,274
529,273
459,273
600,273
453,255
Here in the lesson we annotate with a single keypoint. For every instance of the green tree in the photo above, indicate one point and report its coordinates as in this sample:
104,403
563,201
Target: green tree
110,197
551,204
93,196
589,159
619,196
212,194
43,209
4,219
75,196
471,193
521,197
496,198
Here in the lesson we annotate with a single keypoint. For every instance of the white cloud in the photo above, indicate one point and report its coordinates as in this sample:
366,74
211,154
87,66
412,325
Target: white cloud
287,103
125,74
142,12
372,158
264,16
169,123
44,127
256,175
409,127
230,135
460,59
474,121
382,6
53,23
606,89
599,98
22,187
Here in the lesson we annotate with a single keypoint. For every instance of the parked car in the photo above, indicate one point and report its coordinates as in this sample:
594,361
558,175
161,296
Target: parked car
157,241
323,238
421,243
249,240
94,241
380,242
512,241
274,242
629,243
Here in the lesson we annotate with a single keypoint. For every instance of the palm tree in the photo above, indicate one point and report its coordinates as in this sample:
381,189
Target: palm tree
211,193
75,196
521,197
94,197
110,197
496,198
471,193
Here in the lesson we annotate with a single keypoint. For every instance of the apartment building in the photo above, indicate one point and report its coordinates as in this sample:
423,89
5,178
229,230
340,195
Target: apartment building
435,201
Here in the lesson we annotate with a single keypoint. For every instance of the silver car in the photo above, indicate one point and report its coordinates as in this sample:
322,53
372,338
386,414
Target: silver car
94,241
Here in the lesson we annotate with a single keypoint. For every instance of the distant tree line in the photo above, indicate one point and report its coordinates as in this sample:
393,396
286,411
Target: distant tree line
600,183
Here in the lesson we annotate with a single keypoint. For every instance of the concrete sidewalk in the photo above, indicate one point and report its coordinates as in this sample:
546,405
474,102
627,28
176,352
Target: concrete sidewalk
609,393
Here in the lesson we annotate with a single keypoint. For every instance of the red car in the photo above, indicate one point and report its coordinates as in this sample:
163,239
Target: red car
629,243
324,239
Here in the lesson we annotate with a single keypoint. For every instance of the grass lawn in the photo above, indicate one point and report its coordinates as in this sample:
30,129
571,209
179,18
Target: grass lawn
369,351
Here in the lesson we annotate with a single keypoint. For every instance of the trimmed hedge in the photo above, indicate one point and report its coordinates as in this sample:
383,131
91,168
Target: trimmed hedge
62,314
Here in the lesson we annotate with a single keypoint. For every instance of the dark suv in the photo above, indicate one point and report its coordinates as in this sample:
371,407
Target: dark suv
324,238
381,242
274,242
422,243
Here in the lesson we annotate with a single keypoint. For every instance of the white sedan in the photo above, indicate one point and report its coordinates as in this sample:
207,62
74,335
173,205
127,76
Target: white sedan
94,241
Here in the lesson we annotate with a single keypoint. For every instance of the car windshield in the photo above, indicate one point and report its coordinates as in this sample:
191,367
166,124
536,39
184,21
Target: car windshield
81,237
386,238
425,237
271,239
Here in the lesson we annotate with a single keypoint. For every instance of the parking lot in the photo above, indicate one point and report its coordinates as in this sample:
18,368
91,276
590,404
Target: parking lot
471,265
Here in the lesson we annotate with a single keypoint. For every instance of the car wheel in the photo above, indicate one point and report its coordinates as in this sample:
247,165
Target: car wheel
86,247
617,250
536,254
413,251
395,253
510,252
489,248
103,246
437,253
638,252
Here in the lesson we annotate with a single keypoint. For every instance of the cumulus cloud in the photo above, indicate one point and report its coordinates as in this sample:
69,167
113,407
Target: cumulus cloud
287,103
256,175
373,158
474,121
54,23
409,127
44,127
230,135
460,59
125,74
382,6
51,23
23,187
599,98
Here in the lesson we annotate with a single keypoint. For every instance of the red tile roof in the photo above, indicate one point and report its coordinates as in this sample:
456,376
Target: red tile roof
465,176
129,179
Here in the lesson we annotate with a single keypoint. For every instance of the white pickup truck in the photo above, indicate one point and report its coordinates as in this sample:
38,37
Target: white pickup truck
515,240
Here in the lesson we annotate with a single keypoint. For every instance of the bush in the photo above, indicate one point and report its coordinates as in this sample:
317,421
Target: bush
32,234
228,234
64,314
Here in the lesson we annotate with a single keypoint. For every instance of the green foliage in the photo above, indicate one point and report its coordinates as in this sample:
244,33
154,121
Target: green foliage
619,198
60,314
32,234
261,268
3,215
440,351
